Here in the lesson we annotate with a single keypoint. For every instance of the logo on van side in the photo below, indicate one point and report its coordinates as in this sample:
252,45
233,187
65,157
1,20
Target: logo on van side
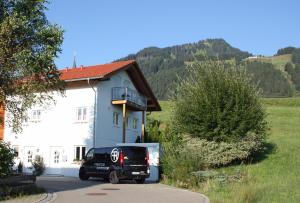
114,155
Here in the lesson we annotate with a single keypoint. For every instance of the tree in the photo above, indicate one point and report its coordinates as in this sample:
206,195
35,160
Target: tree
6,159
218,102
28,46
286,50
296,56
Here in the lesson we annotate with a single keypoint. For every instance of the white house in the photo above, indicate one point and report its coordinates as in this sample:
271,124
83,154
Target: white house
103,105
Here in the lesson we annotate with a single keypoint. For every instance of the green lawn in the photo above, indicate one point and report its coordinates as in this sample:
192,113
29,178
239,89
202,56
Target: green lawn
275,178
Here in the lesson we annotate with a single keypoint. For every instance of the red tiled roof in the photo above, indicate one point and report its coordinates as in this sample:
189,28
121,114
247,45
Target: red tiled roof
93,71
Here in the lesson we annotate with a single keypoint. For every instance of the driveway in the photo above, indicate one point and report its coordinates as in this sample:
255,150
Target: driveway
73,190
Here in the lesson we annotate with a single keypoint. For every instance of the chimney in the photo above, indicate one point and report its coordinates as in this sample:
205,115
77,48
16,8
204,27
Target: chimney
81,67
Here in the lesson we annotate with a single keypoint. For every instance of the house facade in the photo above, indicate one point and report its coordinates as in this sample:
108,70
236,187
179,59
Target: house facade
103,105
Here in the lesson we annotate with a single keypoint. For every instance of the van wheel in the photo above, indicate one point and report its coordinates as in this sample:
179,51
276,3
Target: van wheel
113,177
140,181
83,175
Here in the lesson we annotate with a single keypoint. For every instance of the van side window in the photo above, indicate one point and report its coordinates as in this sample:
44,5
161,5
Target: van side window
90,154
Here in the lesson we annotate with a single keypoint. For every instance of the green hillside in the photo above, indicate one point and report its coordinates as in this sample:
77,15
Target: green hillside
163,66
276,177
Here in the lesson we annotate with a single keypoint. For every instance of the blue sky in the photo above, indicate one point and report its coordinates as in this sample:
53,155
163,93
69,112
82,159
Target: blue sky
101,31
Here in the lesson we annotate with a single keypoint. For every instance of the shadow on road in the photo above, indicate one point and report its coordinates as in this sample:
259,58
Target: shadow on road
60,183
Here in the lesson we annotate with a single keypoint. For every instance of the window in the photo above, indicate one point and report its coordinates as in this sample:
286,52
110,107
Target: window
116,118
81,114
56,157
29,156
135,123
127,121
79,152
35,115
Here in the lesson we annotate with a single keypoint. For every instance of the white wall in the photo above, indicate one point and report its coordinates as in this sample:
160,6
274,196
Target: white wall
59,131
107,133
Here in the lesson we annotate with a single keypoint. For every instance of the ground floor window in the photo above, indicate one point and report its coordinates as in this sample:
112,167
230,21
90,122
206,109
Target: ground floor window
116,118
135,123
79,152
29,156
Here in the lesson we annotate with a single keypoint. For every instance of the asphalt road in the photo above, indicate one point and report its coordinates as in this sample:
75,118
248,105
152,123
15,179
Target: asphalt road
75,191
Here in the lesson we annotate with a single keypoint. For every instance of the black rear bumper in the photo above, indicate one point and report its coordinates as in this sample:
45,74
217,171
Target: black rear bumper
127,172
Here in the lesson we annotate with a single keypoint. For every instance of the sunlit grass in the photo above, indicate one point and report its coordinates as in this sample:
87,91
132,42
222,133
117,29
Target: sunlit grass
276,177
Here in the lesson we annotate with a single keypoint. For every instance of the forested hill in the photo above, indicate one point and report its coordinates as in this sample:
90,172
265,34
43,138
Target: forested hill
162,65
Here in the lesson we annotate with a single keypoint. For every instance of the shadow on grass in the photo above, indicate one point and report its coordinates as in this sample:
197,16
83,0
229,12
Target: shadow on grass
268,148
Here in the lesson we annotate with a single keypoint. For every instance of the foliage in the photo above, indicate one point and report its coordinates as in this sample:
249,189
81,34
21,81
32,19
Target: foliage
216,154
294,73
271,80
153,133
162,65
38,165
296,56
286,50
20,167
217,102
274,177
9,192
6,159
28,46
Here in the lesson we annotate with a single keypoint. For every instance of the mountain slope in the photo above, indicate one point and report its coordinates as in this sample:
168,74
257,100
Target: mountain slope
161,66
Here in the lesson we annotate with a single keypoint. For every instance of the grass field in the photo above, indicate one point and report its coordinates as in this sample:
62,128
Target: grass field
275,178
278,61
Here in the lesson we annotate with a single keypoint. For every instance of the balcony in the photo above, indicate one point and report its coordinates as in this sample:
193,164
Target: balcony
124,95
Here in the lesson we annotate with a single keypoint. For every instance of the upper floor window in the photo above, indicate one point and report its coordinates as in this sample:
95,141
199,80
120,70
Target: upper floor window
116,118
35,115
81,114
134,123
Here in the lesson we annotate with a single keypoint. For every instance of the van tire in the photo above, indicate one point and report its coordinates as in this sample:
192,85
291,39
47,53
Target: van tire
140,181
113,177
83,175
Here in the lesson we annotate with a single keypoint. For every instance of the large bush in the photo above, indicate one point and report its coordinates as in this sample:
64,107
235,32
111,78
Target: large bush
6,159
218,102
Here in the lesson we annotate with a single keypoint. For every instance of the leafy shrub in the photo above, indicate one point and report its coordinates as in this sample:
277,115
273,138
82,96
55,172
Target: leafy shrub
178,162
6,159
20,167
153,133
38,165
217,102
216,154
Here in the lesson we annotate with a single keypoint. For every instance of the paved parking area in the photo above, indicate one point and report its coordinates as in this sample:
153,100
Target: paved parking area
75,191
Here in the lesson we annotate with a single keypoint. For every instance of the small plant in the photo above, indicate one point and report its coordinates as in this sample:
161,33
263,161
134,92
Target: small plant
38,165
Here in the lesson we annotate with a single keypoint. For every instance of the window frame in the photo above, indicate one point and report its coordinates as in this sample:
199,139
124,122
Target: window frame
35,115
116,119
135,123
82,118
81,155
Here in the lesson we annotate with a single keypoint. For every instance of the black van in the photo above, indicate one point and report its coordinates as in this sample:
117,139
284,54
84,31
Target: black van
116,163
